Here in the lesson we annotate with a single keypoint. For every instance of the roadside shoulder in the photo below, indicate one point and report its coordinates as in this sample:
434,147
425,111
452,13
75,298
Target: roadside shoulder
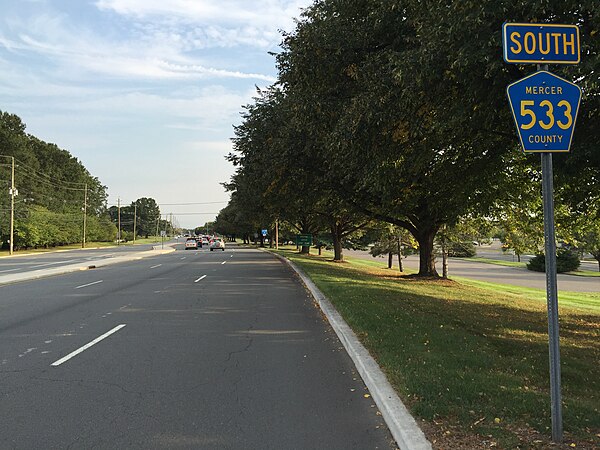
402,425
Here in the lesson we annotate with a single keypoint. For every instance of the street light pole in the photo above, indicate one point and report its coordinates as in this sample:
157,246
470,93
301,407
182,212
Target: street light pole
84,215
119,220
12,207
134,221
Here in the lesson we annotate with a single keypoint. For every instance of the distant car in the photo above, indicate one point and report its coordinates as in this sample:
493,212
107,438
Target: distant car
205,240
191,243
217,244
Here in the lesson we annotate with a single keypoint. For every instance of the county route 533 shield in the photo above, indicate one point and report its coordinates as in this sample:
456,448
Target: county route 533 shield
545,108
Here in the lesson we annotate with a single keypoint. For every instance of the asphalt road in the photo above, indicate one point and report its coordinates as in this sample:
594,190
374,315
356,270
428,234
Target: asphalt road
493,273
192,349
29,262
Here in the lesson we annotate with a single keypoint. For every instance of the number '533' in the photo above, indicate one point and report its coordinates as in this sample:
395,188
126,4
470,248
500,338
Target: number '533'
551,115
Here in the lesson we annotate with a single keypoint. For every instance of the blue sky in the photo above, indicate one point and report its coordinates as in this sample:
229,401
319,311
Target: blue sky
144,92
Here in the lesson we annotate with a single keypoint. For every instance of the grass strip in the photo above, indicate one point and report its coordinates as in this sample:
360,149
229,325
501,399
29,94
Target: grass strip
471,358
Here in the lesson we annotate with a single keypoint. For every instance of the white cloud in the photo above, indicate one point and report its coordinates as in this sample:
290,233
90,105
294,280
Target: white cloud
153,52
145,84
211,108
271,14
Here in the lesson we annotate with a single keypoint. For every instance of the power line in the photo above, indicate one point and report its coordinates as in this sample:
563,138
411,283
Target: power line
197,203
41,174
193,214
40,179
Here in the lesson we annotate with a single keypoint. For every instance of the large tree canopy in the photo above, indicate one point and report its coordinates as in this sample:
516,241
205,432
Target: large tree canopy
52,186
397,110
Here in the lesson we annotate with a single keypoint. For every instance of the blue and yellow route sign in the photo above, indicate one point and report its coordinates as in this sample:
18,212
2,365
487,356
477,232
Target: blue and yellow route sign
544,107
540,43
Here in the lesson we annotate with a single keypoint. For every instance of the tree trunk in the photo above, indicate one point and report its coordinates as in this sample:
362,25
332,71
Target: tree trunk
400,254
426,255
336,234
444,261
518,257
320,250
390,259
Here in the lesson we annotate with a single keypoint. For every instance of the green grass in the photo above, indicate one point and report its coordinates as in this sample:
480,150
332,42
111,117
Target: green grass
462,354
584,273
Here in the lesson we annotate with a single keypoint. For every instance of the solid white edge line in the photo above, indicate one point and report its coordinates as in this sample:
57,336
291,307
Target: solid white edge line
88,345
404,428
89,284
201,278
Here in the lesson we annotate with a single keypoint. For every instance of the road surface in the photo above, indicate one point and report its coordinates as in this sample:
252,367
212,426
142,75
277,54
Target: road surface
516,276
191,349
36,261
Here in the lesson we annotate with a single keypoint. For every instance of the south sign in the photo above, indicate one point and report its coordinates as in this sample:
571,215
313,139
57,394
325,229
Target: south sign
544,107
540,43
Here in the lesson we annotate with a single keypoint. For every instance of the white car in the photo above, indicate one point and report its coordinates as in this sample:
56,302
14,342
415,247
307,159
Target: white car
191,243
217,244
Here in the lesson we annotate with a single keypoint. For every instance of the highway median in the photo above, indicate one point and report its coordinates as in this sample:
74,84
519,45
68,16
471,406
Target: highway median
470,362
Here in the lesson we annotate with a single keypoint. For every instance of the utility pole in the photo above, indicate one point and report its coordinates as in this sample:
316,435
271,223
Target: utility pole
84,214
164,233
276,234
134,220
119,220
13,192
157,223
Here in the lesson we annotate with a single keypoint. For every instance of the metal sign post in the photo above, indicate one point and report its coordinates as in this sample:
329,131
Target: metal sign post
552,298
552,292
545,108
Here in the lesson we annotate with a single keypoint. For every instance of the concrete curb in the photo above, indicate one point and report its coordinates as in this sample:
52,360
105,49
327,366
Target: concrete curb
402,425
43,273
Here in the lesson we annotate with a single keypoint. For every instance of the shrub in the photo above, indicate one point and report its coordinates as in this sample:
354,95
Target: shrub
537,263
461,249
566,261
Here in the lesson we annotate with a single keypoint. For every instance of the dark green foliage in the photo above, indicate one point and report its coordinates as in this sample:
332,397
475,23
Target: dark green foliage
537,263
51,186
397,111
461,249
566,261
144,214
